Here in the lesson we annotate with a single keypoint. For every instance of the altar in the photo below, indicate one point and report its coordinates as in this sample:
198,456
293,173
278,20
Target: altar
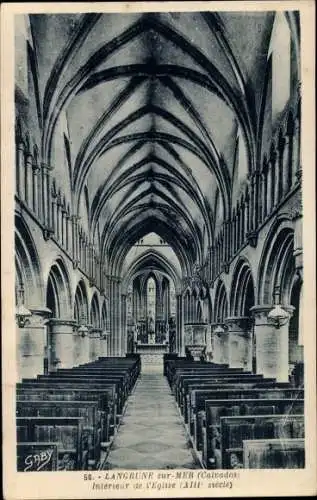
152,356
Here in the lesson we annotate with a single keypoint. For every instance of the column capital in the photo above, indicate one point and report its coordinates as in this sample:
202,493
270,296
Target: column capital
47,167
238,323
58,323
215,325
35,168
260,313
95,332
40,314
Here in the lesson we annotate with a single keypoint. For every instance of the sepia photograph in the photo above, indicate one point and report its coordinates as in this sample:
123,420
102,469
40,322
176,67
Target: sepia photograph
156,208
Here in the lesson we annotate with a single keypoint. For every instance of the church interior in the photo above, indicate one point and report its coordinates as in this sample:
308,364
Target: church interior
158,241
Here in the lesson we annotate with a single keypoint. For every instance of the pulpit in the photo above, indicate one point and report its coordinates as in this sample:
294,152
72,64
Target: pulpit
196,338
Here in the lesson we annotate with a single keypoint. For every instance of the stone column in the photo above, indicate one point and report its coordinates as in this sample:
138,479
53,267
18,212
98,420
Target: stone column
94,344
280,163
31,344
61,343
115,320
180,325
112,316
271,344
118,317
46,169
35,207
264,188
82,346
20,170
123,349
29,180
298,240
220,345
75,257
209,346
104,339
239,342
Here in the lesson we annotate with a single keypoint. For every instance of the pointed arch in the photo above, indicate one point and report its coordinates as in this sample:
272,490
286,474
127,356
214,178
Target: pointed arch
27,264
81,303
95,311
242,294
221,303
277,263
58,293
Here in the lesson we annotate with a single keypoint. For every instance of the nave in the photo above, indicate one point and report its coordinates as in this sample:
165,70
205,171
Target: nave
108,415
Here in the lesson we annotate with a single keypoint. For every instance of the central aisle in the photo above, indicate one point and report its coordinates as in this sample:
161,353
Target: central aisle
151,434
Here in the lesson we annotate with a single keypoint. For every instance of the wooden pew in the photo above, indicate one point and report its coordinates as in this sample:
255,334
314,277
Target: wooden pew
182,378
274,454
106,395
68,432
81,383
35,457
106,404
191,383
198,397
193,368
173,365
214,409
170,356
235,430
88,410
96,372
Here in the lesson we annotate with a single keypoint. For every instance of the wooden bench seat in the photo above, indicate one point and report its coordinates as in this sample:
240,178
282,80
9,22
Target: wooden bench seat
172,366
215,409
79,391
128,378
67,432
92,419
190,383
82,383
182,377
195,404
235,430
274,454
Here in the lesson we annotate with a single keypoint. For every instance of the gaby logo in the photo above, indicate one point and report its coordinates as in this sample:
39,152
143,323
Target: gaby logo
38,461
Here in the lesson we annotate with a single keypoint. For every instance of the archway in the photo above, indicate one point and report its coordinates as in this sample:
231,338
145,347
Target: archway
95,328
277,265
81,316
220,345
95,312
276,277
81,304
221,303
31,328
242,353
58,300
295,343
27,265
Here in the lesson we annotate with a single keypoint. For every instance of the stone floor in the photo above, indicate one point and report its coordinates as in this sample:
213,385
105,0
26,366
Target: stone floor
151,434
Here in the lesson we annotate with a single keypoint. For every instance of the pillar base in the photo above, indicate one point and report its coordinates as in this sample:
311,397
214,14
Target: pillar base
31,344
239,342
271,344
61,343
220,345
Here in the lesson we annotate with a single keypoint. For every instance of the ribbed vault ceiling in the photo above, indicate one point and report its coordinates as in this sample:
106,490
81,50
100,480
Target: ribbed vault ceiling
153,103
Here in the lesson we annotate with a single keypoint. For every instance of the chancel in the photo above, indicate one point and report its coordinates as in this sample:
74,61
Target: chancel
158,241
